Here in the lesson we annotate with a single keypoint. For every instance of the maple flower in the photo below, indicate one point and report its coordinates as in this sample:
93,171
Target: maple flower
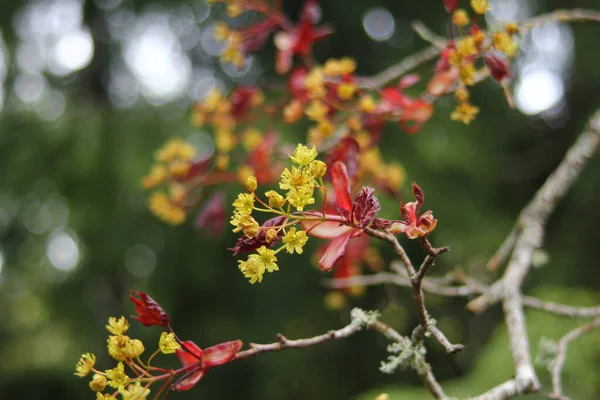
303,155
480,6
244,203
149,311
415,225
117,327
199,361
107,396
295,241
351,218
167,343
117,378
98,383
85,364
135,392
464,112
298,39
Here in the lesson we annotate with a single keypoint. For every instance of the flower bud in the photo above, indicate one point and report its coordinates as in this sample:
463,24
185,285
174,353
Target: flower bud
497,66
251,184
98,383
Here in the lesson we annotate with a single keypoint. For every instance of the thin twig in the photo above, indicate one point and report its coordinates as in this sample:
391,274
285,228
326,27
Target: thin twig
561,355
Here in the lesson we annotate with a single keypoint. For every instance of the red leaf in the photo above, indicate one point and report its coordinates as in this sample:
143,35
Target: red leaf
335,250
341,186
190,381
245,244
365,206
325,229
149,311
419,195
451,5
221,353
189,354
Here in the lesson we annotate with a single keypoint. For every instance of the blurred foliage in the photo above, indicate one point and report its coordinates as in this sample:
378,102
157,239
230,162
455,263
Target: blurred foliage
79,174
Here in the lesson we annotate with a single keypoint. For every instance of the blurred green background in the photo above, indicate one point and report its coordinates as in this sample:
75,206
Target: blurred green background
88,89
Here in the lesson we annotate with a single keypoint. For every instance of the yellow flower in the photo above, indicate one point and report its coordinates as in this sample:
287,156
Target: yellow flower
346,90
135,392
85,364
167,343
466,46
233,10
295,241
117,377
367,104
117,327
251,138
160,205
461,94
315,84
245,223
117,346
275,199
294,178
157,175
347,66
460,17
301,196
303,155
317,168
251,184
224,141
266,257
252,269
98,383
134,348
465,113
467,74
332,67
244,203
102,396
504,43
271,235
480,6
179,167
244,171
316,110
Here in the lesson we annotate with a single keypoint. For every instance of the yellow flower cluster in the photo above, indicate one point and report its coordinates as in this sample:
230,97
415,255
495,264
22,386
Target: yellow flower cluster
127,352
300,181
173,162
464,112
470,47
257,264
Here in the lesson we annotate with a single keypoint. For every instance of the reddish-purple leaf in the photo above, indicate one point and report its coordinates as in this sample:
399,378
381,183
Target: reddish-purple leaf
341,186
335,251
149,311
221,353
245,244
419,195
189,381
451,5
325,229
365,206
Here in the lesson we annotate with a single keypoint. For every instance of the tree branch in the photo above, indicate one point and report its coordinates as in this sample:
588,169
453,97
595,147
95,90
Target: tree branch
561,355
534,216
